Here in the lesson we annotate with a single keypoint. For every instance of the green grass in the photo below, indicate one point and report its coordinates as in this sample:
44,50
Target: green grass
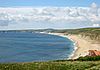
53,65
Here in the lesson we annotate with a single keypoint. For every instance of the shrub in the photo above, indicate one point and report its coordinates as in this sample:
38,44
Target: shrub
89,58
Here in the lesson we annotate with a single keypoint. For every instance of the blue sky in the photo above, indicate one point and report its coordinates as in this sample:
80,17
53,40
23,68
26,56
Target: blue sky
14,3
32,14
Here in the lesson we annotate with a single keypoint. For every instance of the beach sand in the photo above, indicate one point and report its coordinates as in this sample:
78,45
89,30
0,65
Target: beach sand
82,45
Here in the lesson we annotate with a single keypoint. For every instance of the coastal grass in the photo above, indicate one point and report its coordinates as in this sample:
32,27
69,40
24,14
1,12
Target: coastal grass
52,65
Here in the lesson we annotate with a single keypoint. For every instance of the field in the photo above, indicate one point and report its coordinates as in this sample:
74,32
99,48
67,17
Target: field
53,65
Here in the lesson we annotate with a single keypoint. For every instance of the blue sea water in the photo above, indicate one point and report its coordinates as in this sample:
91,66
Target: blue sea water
28,47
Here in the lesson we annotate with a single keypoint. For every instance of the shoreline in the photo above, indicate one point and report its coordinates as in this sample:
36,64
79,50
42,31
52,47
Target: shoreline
66,36
81,45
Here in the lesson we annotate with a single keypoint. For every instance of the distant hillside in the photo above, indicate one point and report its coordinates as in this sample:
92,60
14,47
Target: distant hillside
92,33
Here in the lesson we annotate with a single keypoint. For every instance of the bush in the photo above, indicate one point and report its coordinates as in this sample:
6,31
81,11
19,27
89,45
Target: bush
89,58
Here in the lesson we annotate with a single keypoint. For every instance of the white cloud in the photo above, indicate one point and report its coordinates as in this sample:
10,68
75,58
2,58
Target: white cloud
81,15
96,25
93,5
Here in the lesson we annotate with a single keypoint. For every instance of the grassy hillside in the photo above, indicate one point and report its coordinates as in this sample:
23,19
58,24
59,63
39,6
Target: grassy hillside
54,65
92,33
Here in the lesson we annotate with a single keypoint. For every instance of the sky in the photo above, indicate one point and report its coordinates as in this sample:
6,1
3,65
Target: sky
58,14
14,3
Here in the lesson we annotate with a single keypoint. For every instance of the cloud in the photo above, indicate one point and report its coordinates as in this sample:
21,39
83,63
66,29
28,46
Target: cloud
52,15
96,25
93,5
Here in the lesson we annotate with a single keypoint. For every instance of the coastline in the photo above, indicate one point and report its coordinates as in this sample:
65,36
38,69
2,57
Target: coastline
66,36
81,45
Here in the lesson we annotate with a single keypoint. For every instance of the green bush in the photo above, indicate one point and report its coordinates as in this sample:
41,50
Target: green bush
89,58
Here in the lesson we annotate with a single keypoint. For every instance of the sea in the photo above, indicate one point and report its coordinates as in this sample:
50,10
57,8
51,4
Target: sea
31,46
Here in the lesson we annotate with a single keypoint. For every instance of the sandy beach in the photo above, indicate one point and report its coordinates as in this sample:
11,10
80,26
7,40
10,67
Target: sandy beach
82,45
